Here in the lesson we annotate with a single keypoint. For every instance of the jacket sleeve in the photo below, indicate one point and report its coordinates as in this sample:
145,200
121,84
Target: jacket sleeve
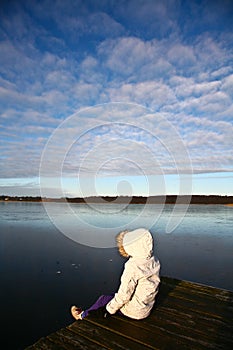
125,291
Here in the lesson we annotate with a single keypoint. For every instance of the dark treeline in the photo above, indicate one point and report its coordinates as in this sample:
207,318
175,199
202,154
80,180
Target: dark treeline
26,198
169,199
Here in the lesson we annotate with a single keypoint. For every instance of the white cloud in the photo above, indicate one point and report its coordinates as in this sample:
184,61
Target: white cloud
181,55
221,72
227,85
76,18
47,75
186,87
211,53
151,93
125,54
102,24
89,63
149,17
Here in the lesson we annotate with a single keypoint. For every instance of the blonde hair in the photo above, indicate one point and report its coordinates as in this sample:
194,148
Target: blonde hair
119,241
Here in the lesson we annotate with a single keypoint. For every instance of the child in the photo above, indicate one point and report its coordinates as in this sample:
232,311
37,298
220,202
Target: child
139,281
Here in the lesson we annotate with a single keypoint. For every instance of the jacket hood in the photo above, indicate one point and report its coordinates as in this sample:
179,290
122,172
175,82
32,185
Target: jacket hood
138,243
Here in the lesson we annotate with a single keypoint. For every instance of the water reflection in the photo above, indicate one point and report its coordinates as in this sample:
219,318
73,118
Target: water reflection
43,272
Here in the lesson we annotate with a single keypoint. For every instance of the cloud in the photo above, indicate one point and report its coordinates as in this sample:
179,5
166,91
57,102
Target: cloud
61,56
227,85
20,186
182,56
149,93
135,59
212,53
149,17
103,25
17,165
76,19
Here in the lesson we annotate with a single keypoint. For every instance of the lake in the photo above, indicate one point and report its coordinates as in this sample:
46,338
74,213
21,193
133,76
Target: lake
47,266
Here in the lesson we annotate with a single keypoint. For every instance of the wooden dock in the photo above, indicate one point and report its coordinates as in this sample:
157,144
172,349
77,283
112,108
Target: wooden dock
186,316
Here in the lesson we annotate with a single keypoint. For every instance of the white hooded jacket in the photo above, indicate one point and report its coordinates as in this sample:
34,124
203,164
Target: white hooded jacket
140,279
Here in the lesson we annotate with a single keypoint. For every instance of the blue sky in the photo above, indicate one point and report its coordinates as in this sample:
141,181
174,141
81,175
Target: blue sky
116,97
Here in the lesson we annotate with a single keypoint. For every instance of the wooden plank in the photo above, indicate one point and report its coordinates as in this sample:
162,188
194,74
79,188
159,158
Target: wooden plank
45,344
64,339
186,316
194,332
199,324
210,310
200,311
149,338
196,289
201,296
73,341
105,336
212,304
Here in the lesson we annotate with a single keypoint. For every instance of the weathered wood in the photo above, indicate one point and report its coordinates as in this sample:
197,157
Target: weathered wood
104,334
72,341
186,316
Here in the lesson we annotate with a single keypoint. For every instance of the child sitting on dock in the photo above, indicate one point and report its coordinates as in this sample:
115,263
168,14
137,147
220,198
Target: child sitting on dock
139,281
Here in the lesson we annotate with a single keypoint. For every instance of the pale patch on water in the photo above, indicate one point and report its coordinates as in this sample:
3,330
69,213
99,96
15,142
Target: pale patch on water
43,271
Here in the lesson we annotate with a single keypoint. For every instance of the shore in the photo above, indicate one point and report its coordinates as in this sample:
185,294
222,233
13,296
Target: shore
169,199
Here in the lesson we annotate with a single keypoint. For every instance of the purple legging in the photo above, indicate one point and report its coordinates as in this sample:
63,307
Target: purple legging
102,301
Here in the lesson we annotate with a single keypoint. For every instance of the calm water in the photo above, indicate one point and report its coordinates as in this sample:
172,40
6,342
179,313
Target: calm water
43,272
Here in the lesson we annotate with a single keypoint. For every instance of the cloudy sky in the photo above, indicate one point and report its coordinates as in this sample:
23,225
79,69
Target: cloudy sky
116,97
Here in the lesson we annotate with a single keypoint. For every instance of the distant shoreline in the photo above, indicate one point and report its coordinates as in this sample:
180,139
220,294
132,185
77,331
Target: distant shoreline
169,199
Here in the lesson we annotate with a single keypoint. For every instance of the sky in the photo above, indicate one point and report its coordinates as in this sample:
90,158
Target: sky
116,97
